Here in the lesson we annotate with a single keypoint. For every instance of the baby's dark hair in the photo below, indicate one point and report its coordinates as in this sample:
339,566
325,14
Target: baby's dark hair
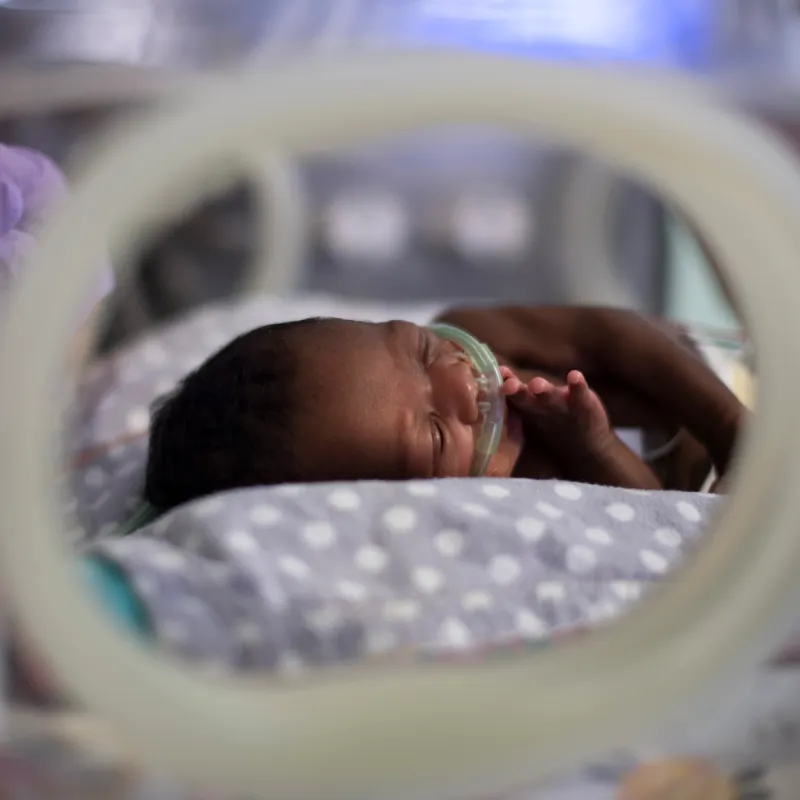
229,423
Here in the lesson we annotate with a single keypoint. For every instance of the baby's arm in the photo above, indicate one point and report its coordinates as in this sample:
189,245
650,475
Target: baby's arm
638,351
644,376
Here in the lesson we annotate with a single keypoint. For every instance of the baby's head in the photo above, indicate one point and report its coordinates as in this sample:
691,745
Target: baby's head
320,400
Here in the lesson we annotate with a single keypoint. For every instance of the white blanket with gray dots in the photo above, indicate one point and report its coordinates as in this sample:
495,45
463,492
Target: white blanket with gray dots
290,578
319,574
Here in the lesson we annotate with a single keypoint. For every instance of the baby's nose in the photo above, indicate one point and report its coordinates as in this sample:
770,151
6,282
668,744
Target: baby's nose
456,391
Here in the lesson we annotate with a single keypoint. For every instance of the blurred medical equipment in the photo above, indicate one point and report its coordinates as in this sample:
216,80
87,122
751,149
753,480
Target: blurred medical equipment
550,207
555,209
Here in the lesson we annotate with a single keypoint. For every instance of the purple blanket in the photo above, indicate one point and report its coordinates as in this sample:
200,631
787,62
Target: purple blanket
29,185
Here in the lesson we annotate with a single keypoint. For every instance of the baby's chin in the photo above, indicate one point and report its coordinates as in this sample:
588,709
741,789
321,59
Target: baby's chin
510,448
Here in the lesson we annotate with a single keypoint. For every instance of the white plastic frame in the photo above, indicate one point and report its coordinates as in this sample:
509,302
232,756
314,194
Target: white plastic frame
591,192
283,225
368,733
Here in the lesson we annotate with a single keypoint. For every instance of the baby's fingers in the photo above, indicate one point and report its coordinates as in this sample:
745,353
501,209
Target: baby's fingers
523,401
540,386
511,383
512,386
541,397
578,387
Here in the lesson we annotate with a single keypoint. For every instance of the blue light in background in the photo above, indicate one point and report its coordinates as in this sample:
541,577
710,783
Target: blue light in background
676,33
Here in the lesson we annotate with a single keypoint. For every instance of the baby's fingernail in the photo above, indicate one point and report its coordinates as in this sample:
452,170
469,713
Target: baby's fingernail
539,385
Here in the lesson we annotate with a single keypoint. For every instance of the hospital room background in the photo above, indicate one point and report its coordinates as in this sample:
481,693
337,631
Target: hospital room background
421,195
451,215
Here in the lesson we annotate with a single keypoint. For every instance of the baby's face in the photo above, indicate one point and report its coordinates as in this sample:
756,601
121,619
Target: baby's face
390,401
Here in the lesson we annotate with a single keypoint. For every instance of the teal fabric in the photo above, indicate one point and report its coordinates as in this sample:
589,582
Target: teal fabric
111,588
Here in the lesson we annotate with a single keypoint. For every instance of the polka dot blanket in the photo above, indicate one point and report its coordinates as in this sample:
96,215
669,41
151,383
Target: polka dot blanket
306,575
288,579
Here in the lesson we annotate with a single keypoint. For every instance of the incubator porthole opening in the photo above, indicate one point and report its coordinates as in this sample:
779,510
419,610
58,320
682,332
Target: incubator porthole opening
235,728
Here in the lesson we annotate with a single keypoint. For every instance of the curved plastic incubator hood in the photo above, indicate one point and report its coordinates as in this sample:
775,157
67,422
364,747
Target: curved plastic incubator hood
364,732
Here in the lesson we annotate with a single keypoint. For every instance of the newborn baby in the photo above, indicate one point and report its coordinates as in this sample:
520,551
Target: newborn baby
328,399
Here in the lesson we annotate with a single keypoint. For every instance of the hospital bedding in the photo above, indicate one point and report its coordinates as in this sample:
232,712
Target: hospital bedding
292,578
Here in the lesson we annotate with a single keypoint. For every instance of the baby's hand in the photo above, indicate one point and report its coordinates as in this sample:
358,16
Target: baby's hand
511,383
568,412
572,423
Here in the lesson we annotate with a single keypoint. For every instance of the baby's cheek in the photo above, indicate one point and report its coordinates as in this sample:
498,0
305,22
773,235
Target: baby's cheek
461,454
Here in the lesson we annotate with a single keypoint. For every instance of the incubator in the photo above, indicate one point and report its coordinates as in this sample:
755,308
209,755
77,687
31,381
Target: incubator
409,728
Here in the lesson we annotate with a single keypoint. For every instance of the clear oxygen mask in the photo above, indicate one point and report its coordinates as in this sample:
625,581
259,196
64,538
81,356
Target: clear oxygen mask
491,402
